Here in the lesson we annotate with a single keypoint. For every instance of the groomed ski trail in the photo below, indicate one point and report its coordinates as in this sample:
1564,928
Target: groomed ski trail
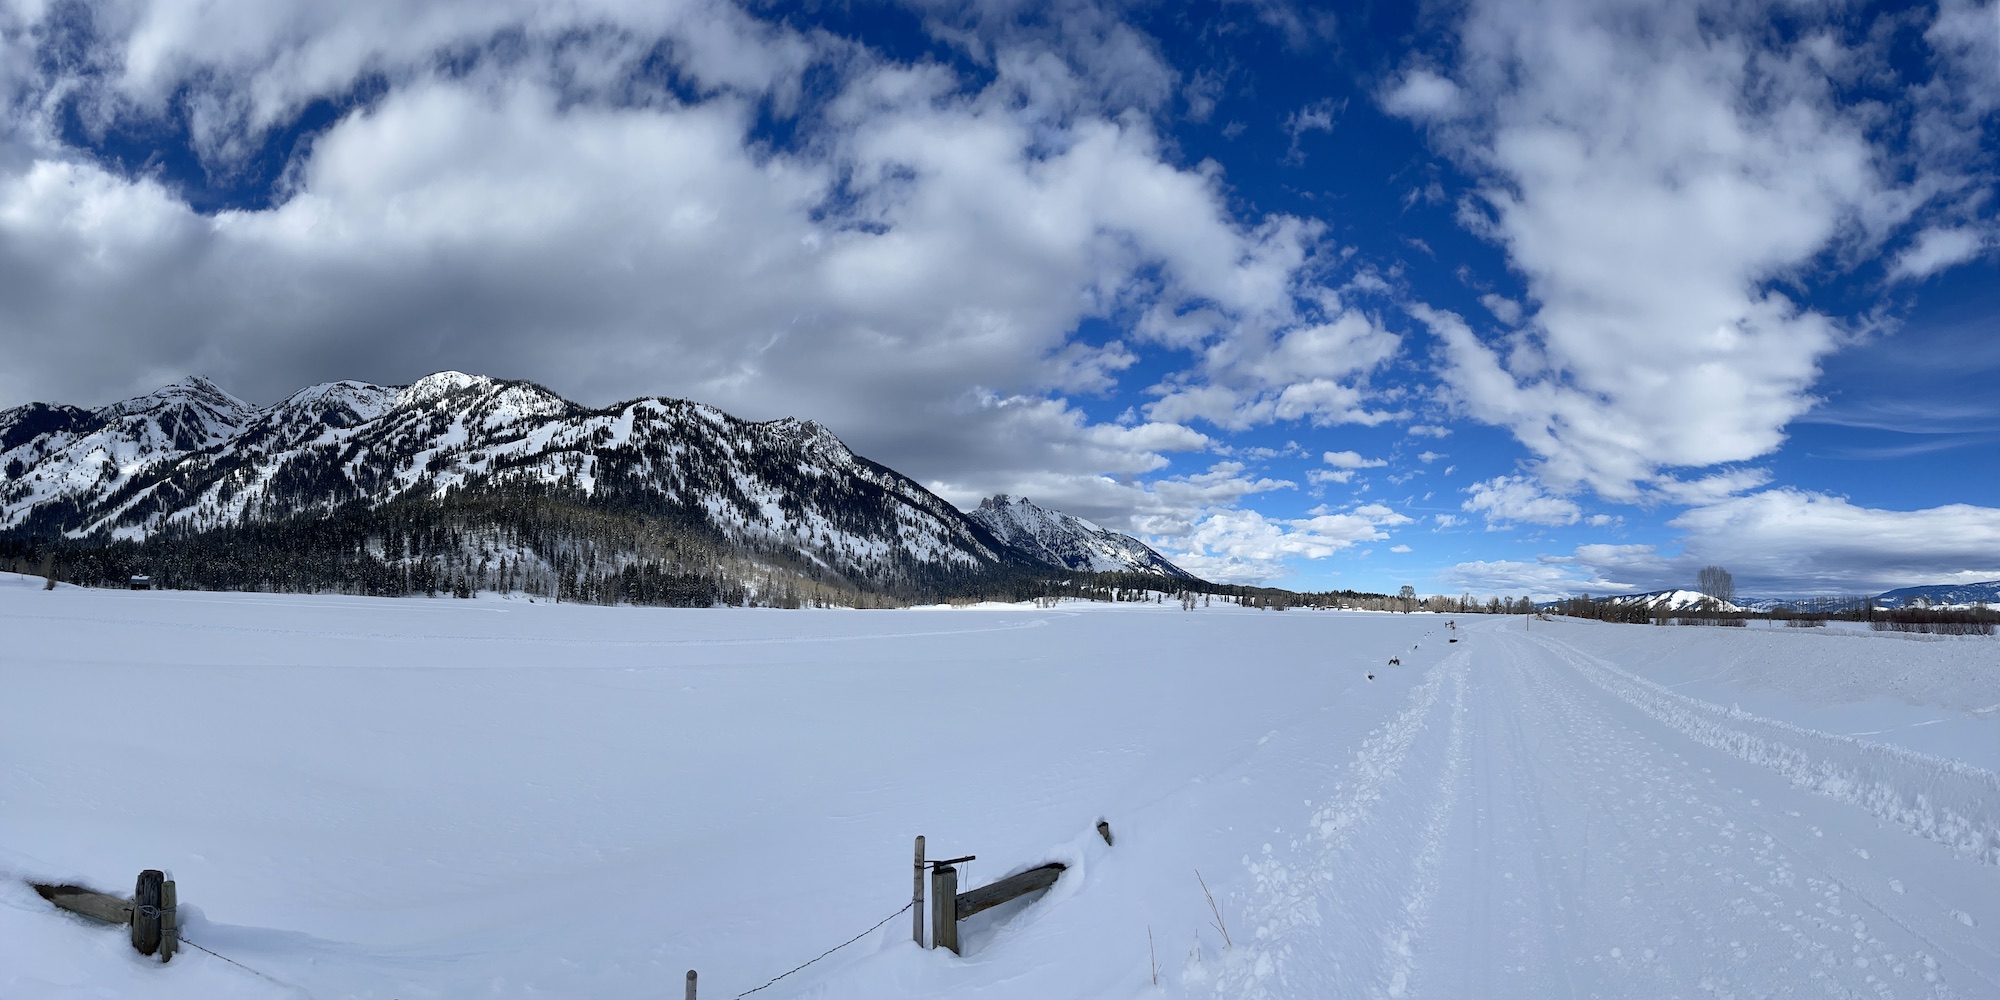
1558,827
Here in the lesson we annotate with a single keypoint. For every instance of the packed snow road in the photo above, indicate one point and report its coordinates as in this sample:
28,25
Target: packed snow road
410,799
1560,828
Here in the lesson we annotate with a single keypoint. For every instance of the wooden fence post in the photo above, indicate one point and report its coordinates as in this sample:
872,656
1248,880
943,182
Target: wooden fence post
690,994
917,897
146,911
944,908
170,921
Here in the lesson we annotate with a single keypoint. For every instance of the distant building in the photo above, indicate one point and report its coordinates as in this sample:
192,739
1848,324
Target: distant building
142,582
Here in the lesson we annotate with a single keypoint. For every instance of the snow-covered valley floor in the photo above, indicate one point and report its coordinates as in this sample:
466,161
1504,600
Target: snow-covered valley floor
452,799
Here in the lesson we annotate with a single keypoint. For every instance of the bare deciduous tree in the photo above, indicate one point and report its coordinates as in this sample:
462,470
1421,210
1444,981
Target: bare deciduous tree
1716,582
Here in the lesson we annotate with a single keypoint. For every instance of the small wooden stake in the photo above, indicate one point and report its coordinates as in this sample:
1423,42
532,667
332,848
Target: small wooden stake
944,908
917,897
690,995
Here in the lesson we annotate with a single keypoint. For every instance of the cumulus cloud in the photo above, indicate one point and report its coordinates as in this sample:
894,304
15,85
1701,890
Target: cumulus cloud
581,195
1816,543
1251,376
1660,175
1351,460
1781,542
1422,94
1509,500
1244,546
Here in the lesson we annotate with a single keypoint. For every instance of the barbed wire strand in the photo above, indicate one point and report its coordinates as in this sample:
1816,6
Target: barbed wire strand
829,951
254,972
739,996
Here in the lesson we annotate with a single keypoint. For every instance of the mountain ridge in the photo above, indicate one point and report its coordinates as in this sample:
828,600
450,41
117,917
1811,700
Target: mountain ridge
1068,541
782,498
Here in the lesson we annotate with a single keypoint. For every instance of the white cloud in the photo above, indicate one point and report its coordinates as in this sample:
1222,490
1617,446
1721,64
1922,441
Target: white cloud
1423,95
1244,546
1966,39
1318,116
1351,460
1937,249
1429,430
1708,489
1538,581
1447,520
1316,372
1789,542
1660,175
1504,309
911,272
1399,548
1789,539
1508,500
1427,457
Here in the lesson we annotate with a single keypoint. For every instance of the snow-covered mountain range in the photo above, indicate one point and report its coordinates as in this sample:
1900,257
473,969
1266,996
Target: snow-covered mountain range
1661,600
1943,595
1058,539
1673,600
191,458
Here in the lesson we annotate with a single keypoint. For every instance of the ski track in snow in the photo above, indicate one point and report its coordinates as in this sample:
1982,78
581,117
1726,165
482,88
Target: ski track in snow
1285,900
1566,833
1947,801
1398,954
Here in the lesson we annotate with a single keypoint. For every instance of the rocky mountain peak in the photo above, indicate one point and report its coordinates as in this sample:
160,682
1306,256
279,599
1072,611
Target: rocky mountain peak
1054,538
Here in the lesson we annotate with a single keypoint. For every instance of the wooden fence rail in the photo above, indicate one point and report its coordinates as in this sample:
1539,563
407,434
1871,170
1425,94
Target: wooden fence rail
152,913
949,906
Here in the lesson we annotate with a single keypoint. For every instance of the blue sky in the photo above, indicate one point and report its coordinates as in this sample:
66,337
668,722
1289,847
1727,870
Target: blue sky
1508,298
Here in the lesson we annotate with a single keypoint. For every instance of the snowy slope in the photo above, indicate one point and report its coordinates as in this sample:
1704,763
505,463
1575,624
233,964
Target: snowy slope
394,799
1943,595
61,462
1671,600
1054,538
190,456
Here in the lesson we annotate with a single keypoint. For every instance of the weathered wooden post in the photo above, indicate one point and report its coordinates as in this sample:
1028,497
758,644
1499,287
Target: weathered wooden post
944,908
917,897
146,911
170,921
690,994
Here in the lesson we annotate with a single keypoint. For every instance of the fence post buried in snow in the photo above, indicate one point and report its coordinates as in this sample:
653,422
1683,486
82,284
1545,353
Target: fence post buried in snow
944,908
170,921
146,911
917,897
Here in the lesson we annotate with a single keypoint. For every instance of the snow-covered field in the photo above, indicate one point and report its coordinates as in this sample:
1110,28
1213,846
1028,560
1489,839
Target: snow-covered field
451,799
